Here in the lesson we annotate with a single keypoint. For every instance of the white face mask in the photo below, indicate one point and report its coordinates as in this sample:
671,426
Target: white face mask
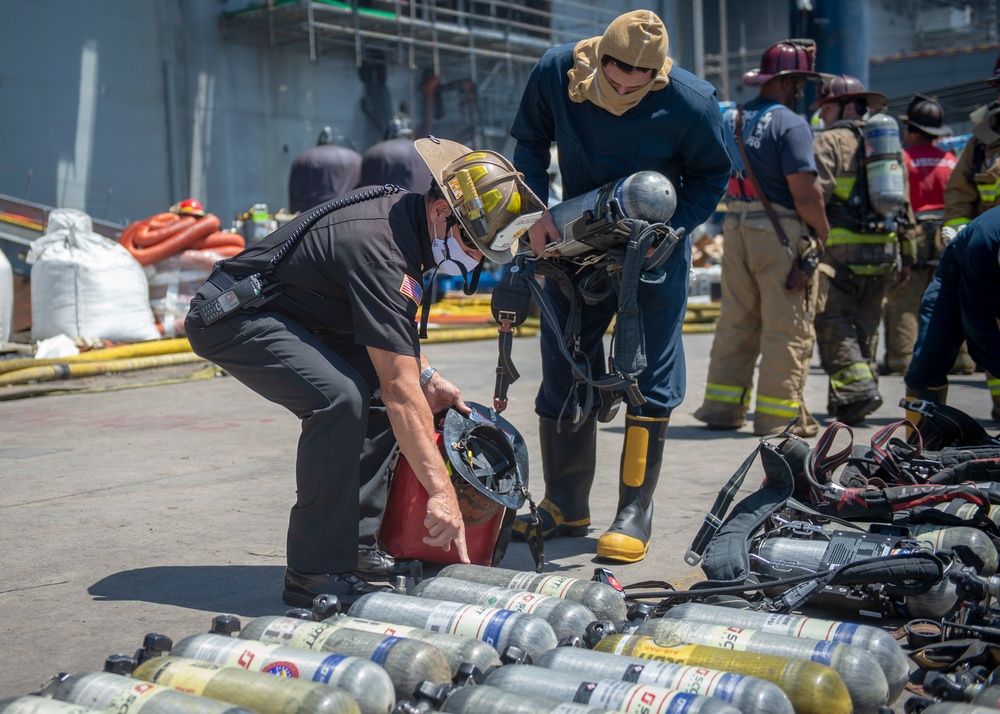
449,256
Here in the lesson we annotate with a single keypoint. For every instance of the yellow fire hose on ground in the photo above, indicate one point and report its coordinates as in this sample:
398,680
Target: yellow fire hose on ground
209,371
137,349
171,352
68,370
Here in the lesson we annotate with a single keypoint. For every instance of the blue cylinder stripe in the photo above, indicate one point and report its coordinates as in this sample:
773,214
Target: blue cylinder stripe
727,685
845,633
682,702
382,651
823,652
326,669
494,627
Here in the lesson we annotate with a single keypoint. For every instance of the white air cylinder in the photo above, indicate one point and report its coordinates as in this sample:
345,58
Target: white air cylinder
6,299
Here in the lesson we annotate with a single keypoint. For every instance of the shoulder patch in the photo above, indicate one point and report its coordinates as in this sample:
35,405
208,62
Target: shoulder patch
411,289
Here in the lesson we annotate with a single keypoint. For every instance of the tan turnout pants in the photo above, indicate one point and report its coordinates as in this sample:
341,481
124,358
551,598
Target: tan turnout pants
760,317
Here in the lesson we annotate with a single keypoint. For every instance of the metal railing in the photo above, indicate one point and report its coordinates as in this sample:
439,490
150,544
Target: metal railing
414,30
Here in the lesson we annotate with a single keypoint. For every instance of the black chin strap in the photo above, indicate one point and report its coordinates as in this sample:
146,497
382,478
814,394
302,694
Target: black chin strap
470,280
470,284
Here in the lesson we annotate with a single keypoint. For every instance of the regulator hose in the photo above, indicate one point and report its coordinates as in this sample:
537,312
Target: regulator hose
161,236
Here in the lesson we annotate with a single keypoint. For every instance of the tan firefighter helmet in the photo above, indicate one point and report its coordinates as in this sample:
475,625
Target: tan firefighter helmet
488,195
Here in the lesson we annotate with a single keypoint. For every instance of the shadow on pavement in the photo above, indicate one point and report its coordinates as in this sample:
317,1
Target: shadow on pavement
248,590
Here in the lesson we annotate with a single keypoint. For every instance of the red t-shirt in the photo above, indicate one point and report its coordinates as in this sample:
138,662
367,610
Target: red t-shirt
929,169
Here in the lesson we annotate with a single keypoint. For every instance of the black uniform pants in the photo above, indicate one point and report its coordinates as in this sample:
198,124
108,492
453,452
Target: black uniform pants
330,384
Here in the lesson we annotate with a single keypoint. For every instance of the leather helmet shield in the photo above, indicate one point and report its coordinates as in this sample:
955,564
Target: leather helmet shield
505,197
844,87
794,57
927,115
491,456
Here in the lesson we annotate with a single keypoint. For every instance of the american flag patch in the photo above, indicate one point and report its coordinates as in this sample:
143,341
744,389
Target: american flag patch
411,289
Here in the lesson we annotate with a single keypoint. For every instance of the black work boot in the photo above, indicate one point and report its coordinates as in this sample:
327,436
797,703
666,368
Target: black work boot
375,563
627,540
568,462
302,588
854,413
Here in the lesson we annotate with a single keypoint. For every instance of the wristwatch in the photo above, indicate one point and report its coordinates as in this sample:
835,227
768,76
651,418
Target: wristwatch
426,375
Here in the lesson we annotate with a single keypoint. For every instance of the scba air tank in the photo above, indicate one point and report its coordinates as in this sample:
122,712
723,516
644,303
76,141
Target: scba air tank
600,598
33,704
263,693
860,672
613,694
965,510
364,680
812,688
750,695
458,650
567,618
943,538
882,646
987,697
496,627
781,557
483,698
646,195
114,693
884,164
407,662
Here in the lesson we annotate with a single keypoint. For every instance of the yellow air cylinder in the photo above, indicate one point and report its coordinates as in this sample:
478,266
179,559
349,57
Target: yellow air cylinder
812,688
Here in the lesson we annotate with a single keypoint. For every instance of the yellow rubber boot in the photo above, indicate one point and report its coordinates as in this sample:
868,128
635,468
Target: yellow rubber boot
993,384
627,540
934,395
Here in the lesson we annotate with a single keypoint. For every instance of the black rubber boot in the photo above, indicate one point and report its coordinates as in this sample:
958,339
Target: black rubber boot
627,540
568,463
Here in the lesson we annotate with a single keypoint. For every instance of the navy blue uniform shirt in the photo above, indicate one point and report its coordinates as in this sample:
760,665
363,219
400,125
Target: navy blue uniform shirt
676,130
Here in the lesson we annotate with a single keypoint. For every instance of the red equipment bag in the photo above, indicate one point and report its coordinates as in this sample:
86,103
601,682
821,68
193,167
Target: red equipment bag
488,463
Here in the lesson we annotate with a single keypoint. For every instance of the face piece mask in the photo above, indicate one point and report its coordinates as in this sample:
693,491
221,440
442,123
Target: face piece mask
449,256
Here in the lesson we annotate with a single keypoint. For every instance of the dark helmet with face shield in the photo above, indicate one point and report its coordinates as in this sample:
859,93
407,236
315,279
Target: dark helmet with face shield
489,463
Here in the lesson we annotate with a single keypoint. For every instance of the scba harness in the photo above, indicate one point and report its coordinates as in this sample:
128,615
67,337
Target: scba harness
613,253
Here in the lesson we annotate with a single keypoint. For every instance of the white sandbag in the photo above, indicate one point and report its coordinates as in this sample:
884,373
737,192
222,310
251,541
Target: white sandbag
86,285
6,299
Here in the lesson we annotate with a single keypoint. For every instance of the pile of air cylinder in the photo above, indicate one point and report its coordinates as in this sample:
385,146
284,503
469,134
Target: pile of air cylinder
481,640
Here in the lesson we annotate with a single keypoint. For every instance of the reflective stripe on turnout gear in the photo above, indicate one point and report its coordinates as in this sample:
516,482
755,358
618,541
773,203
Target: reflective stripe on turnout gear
784,408
729,394
987,191
844,186
842,236
850,374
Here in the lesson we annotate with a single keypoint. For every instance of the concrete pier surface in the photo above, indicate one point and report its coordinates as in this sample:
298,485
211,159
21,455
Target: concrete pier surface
131,511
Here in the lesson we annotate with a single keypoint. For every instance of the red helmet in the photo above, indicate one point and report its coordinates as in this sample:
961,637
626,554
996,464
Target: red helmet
189,207
788,57
995,79
837,87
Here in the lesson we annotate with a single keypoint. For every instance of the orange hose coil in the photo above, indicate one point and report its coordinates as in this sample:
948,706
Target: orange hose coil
160,236
221,242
